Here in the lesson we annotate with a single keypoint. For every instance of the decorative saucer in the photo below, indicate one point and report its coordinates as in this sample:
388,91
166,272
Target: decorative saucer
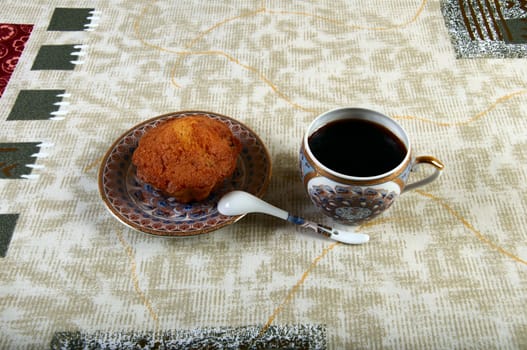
142,207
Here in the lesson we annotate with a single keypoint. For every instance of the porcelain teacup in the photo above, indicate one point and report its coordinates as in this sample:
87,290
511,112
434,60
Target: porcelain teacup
354,195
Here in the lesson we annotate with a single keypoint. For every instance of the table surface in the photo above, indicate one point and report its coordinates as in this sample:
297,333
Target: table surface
446,266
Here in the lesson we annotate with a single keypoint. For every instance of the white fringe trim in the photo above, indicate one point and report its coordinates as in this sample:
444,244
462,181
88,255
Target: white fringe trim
59,113
79,53
31,176
35,166
63,103
94,18
46,145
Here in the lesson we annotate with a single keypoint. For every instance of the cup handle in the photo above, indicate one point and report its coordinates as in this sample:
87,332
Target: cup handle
438,168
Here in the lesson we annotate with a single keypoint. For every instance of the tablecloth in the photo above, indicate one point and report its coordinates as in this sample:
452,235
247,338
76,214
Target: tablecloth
446,266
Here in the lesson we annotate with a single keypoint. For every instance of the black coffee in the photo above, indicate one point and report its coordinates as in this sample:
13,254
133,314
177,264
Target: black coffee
357,147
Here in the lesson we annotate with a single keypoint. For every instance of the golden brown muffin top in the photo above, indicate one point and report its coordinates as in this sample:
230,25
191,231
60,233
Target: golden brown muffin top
189,152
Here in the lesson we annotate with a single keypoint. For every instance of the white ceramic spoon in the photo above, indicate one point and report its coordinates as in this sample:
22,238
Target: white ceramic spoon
239,202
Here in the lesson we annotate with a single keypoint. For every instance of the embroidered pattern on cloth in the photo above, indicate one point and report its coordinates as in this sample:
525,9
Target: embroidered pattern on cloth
58,57
17,159
73,19
487,29
7,226
38,105
301,336
13,38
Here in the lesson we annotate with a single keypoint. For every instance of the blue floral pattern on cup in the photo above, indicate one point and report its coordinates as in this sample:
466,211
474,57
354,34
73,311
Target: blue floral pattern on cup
349,204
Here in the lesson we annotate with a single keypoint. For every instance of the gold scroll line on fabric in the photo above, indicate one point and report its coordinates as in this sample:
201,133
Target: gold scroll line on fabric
247,67
133,271
94,164
295,288
325,252
470,227
480,115
474,118
315,262
303,14
305,275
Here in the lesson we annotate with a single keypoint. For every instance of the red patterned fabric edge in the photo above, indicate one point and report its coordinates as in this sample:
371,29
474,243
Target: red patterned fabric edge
13,38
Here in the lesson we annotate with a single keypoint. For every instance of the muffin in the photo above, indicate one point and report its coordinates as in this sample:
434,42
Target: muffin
188,157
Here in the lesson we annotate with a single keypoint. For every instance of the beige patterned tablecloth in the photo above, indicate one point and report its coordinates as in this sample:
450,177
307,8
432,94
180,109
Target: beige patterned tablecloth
446,266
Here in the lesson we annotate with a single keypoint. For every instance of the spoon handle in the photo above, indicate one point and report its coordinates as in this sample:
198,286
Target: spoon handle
318,228
330,232
239,202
